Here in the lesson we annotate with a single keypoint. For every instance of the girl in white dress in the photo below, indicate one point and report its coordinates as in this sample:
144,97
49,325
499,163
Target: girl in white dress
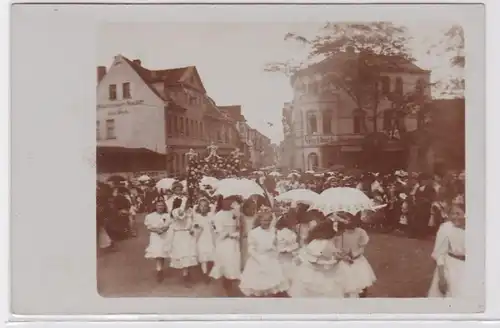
205,235
182,248
263,274
321,270
247,223
449,254
352,242
227,245
288,245
158,224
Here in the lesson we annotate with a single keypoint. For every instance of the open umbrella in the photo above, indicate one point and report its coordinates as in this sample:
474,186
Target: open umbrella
209,181
275,174
343,199
143,178
238,187
304,196
165,183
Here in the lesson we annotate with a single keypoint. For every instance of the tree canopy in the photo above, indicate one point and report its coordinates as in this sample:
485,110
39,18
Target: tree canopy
352,57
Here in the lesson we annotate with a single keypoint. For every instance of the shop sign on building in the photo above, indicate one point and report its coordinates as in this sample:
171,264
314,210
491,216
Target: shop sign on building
120,104
319,140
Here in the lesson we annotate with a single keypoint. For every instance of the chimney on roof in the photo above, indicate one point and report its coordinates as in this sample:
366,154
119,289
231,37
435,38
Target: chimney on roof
101,71
137,62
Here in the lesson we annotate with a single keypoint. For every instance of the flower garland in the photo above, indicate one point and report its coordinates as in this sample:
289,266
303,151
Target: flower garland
212,165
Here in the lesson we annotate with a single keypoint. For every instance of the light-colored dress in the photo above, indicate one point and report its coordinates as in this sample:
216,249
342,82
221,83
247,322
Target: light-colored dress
263,274
157,247
205,237
319,274
247,225
360,274
288,246
227,247
449,250
104,239
182,244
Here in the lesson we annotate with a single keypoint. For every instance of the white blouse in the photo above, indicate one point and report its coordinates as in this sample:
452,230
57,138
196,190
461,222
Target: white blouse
449,239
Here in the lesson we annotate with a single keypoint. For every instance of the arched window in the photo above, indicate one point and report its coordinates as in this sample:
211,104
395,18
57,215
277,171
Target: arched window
327,122
313,161
175,125
387,120
358,121
312,123
386,84
181,125
398,88
175,163
420,87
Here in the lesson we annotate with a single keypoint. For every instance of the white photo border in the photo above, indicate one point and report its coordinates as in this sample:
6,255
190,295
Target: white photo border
53,147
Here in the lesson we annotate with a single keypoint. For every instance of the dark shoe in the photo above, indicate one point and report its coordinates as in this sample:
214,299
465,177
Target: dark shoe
159,276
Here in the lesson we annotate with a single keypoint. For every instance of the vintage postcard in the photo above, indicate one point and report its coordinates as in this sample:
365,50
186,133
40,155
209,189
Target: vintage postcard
308,162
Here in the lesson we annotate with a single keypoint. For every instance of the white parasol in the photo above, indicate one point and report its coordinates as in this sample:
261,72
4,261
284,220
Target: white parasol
293,174
342,199
275,174
165,183
209,181
143,178
238,187
304,196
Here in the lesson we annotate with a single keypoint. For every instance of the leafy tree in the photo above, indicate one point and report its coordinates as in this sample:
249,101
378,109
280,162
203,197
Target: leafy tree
352,57
452,46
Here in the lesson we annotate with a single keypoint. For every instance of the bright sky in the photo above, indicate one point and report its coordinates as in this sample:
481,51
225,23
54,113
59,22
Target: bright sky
230,59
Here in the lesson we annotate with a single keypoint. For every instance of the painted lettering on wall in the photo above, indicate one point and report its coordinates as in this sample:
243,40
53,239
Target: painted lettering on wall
319,140
121,103
118,112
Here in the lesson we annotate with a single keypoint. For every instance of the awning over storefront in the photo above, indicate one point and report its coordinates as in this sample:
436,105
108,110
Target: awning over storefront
122,159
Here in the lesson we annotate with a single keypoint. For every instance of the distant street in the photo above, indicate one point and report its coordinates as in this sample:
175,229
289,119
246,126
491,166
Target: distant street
403,267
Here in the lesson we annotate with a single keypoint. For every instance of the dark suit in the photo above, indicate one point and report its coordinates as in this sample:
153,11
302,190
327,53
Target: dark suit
422,210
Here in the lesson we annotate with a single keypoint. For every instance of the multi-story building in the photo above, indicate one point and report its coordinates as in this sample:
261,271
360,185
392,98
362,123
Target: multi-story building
147,120
327,127
257,146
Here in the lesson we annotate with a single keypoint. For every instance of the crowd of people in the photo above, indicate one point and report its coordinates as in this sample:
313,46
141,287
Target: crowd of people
259,247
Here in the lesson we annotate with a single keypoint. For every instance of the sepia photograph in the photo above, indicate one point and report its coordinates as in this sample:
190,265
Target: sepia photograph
281,160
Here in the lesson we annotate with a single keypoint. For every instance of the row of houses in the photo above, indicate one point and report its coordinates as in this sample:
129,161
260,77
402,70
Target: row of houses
147,120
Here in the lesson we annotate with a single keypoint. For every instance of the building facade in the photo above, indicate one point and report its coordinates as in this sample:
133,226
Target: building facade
164,113
325,128
256,146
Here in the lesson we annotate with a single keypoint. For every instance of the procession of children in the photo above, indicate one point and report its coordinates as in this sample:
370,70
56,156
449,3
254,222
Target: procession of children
255,248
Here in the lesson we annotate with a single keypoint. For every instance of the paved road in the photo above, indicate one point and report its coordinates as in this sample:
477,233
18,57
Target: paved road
403,267
126,272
